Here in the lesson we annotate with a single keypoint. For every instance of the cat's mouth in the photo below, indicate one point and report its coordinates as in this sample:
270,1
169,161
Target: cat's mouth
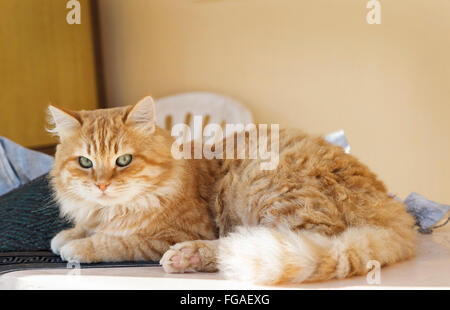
110,197
105,196
106,199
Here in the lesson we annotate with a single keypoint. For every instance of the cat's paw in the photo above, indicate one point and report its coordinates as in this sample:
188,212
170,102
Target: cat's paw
59,241
190,256
64,237
180,259
80,251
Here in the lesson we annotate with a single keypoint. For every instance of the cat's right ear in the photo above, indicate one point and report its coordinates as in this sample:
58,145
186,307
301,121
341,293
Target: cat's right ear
62,121
142,114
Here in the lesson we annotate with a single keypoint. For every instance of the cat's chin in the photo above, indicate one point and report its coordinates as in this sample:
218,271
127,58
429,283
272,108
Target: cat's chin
111,200
106,198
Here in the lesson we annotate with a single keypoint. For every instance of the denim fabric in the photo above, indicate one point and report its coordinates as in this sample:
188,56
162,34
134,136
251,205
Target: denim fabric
338,138
427,213
19,165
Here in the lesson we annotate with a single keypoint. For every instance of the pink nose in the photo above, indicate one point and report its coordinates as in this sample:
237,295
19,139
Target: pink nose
103,186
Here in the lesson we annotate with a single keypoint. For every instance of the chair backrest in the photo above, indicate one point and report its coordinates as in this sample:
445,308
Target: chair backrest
213,108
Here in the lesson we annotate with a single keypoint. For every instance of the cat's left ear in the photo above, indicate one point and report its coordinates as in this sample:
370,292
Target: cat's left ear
64,122
142,114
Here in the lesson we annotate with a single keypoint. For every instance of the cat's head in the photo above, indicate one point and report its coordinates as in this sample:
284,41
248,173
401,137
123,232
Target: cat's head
109,156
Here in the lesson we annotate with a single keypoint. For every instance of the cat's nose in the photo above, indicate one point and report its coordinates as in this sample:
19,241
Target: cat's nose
103,186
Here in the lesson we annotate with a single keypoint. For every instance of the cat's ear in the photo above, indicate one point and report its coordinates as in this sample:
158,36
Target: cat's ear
64,122
142,114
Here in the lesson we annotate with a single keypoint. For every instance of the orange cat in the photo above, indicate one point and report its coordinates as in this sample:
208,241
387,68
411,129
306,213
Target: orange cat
116,180
320,214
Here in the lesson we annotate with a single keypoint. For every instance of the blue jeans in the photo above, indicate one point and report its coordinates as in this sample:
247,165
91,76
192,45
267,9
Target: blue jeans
19,165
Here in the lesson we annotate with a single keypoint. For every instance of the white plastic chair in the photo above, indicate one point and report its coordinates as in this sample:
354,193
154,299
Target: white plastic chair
213,108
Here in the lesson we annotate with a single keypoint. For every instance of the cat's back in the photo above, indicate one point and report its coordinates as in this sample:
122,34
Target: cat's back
311,172
301,158
312,157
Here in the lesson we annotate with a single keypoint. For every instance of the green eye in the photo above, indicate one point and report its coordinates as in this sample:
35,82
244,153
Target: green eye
124,160
84,162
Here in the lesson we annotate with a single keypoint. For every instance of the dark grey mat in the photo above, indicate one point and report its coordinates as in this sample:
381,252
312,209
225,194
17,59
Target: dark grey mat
16,261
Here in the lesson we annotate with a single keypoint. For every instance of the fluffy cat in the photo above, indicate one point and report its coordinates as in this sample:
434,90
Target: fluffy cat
319,215
124,210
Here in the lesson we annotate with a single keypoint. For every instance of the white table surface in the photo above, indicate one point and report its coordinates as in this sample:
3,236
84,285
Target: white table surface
430,269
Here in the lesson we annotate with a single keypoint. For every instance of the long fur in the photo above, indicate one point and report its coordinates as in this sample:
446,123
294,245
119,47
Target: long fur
149,205
270,256
321,214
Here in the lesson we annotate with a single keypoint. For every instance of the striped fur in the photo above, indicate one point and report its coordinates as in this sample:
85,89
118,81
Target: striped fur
320,215
149,205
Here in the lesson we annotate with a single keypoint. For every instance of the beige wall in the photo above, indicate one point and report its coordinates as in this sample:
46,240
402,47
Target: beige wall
312,64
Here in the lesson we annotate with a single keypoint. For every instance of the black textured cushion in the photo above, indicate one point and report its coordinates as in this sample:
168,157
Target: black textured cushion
29,217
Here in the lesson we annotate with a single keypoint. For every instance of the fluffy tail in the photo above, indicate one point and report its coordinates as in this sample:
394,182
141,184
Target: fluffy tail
268,256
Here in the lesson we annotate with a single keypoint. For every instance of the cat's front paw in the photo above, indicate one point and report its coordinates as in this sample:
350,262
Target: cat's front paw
64,237
80,251
59,241
190,256
180,260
